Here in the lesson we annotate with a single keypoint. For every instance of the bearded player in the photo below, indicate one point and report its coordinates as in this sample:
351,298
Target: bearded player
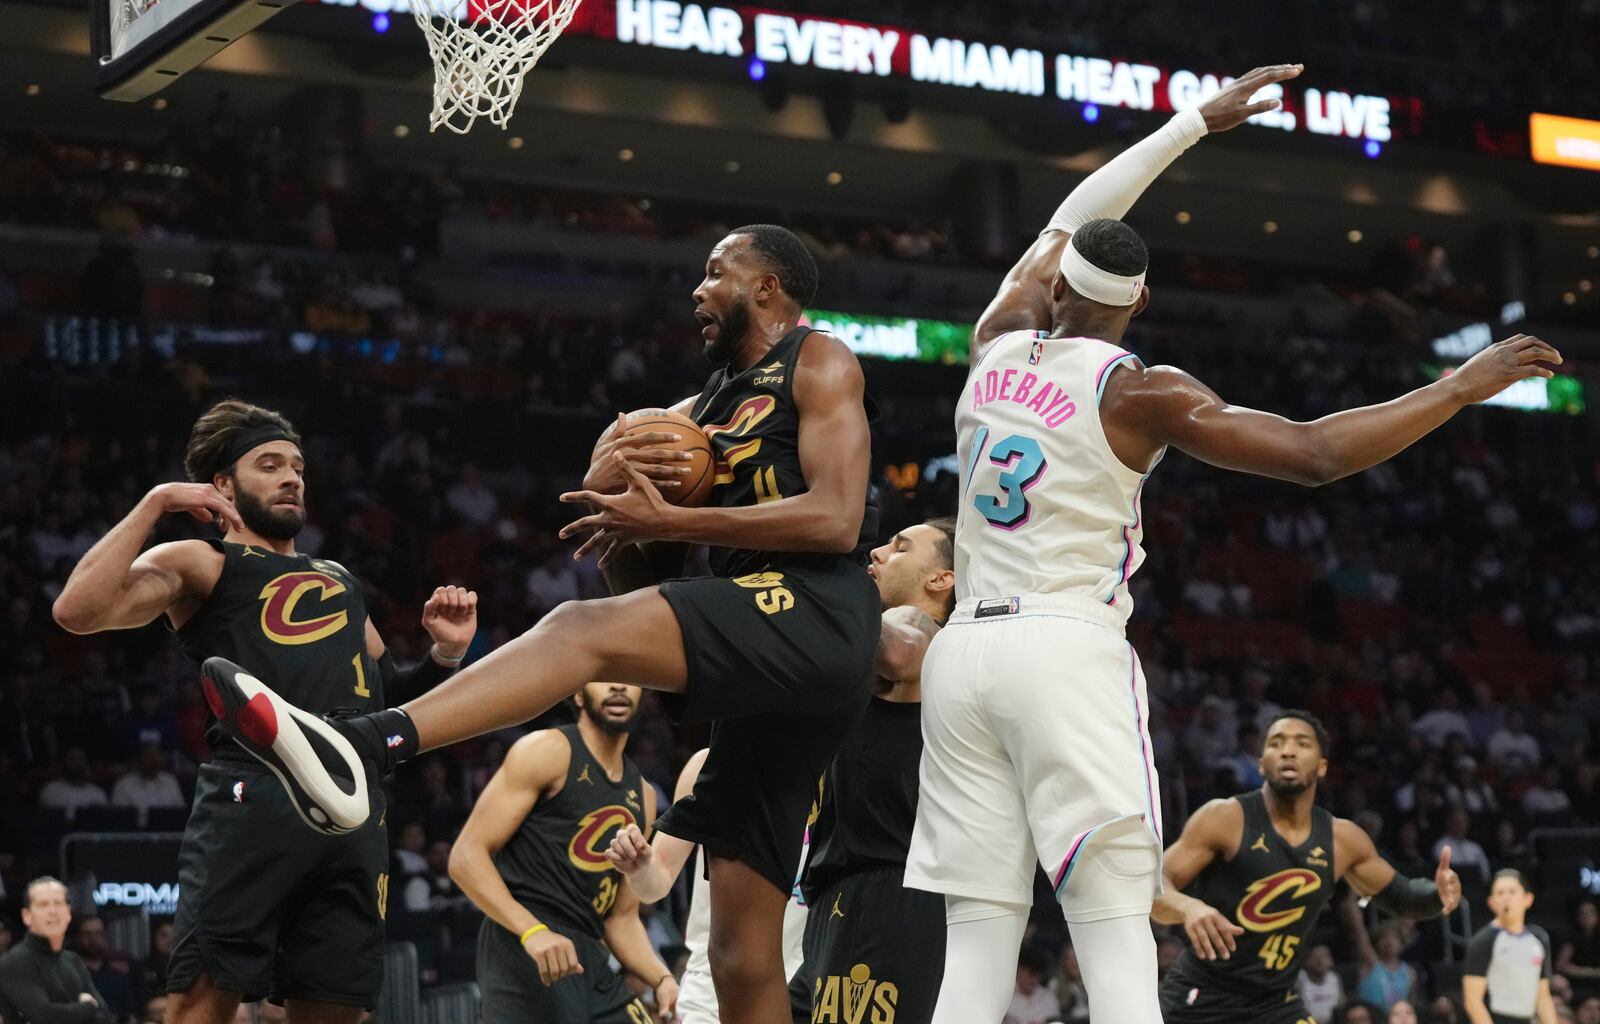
1250,874
266,909
776,648
532,858
1035,744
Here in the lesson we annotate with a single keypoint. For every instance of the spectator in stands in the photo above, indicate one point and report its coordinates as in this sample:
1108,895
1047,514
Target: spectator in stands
1358,1013
149,785
110,972
1032,1002
1402,1013
409,852
1579,959
1385,978
1245,762
1546,802
41,983
473,503
1470,791
554,581
1589,1010
1319,984
1443,1011
1512,750
73,789
1443,721
1486,716
1466,856
434,890
149,723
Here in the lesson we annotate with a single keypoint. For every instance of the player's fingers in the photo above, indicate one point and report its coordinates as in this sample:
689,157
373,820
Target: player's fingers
648,438
664,476
581,497
588,545
632,475
1201,943
644,455
1262,107
202,514
472,602
545,972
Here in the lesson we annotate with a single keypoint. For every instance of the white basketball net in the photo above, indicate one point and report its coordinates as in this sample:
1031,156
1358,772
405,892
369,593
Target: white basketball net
481,51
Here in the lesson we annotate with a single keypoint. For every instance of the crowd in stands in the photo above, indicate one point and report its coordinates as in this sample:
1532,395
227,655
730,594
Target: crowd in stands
1439,613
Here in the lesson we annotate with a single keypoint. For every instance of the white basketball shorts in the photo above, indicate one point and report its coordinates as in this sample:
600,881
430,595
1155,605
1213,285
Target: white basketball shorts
1036,747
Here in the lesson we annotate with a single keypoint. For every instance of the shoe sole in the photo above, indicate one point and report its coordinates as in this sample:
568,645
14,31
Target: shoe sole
285,739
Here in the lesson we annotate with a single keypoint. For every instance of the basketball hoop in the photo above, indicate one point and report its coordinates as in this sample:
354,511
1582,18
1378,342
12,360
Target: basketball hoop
481,51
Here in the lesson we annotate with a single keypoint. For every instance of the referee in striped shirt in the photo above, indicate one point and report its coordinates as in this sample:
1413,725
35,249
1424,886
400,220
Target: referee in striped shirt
1507,978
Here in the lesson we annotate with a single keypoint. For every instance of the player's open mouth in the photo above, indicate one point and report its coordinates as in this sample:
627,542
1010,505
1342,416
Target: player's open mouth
707,323
872,571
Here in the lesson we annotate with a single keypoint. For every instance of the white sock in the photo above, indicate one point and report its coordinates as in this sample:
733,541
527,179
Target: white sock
1118,959
982,939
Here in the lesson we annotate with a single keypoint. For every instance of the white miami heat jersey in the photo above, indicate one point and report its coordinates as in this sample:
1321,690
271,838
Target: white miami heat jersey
1046,506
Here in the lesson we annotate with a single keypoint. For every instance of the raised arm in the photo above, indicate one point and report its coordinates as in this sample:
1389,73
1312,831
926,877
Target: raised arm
652,867
450,618
115,587
1357,861
534,769
1146,408
1023,301
1212,834
630,943
834,442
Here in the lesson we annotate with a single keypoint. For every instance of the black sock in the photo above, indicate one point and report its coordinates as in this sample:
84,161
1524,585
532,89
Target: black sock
383,738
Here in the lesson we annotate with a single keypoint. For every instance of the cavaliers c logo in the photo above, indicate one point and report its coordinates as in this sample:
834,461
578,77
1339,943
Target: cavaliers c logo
1297,883
587,851
750,412
282,595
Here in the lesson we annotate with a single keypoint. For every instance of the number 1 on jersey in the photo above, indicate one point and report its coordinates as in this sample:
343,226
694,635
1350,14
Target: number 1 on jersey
1024,465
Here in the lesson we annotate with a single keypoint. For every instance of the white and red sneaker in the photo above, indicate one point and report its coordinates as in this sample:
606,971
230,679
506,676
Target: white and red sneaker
321,771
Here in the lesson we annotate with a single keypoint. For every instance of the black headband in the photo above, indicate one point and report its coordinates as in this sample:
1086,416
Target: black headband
247,440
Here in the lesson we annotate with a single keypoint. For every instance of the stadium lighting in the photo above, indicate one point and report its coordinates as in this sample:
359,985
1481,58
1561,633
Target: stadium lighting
758,70
1270,227
624,155
1091,113
834,177
1569,298
1355,236
1373,148
1183,217
32,89
380,23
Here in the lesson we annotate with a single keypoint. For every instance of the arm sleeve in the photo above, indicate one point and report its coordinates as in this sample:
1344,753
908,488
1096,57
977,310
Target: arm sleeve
25,990
1479,953
1113,189
403,684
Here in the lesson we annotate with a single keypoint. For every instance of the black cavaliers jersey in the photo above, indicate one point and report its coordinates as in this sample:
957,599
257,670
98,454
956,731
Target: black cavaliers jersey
754,428
555,863
869,798
1273,891
296,622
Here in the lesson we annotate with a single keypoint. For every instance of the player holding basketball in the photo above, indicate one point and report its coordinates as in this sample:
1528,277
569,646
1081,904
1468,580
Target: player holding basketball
777,647
862,824
1033,701
532,858
1263,865
265,909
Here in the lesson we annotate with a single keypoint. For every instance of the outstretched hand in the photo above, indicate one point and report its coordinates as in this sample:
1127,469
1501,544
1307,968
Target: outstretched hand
1232,107
637,514
1503,364
1448,881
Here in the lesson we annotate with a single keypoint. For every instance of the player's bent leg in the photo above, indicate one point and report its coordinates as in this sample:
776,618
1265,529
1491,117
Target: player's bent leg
982,939
746,945
1106,889
202,1003
306,1011
633,638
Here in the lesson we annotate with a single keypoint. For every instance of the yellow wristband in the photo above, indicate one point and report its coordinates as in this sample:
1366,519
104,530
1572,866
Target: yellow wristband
536,929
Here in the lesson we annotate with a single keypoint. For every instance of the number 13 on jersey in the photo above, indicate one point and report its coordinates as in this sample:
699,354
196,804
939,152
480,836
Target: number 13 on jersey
1022,465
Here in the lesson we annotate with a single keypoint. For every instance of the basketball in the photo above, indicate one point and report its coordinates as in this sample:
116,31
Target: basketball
695,490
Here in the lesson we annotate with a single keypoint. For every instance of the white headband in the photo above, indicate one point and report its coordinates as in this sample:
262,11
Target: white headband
1094,283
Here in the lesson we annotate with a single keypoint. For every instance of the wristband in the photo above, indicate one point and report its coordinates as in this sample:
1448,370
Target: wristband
433,653
536,929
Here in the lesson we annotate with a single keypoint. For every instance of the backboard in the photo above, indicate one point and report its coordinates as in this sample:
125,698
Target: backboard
140,46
